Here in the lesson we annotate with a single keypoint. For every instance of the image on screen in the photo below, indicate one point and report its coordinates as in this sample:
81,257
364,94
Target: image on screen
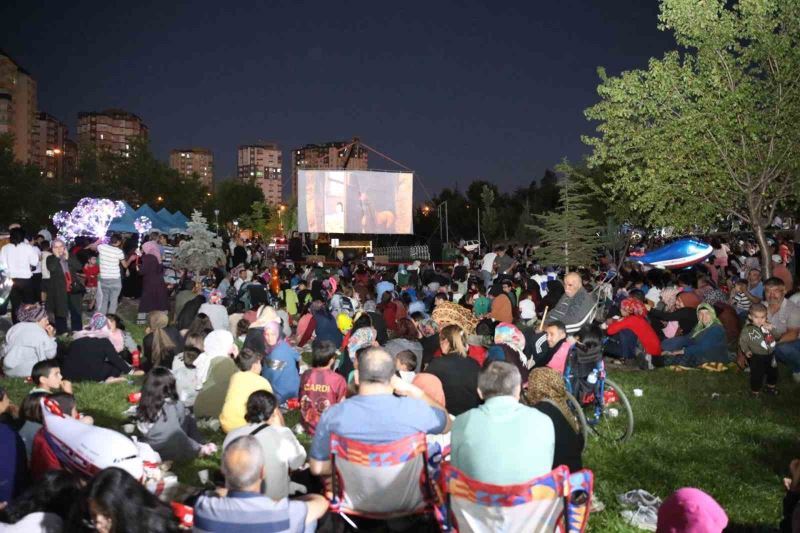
355,201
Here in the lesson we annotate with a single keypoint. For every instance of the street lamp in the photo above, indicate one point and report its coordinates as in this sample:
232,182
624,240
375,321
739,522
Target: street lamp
281,209
216,219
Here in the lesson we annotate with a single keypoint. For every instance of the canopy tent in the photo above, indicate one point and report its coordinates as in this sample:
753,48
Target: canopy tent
124,224
163,220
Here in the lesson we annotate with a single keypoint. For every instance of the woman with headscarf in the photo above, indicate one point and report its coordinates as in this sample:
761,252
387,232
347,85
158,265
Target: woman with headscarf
509,343
546,393
429,338
684,314
406,338
65,288
325,327
161,342
280,365
154,290
705,344
631,331
91,355
28,341
213,370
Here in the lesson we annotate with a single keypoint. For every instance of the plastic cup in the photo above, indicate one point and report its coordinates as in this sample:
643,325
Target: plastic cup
203,475
638,392
128,428
613,412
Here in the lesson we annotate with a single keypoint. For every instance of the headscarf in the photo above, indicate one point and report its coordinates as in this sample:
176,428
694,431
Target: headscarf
215,297
274,327
714,296
344,322
689,299
152,248
510,335
360,338
700,327
31,313
428,327
265,315
430,385
97,328
548,384
218,343
632,306
669,295
690,510
447,313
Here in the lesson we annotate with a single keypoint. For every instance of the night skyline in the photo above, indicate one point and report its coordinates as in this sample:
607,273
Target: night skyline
455,93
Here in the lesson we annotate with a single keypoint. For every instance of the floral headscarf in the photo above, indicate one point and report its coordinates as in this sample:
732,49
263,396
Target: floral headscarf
510,335
714,296
700,327
360,338
427,327
215,297
632,306
546,384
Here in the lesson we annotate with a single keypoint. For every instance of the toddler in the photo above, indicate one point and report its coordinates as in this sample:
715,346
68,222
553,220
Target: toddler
758,344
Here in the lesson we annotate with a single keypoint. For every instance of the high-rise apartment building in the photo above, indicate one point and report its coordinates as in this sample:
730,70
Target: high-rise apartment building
18,107
55,153
198,161
336,154
263,163
112,130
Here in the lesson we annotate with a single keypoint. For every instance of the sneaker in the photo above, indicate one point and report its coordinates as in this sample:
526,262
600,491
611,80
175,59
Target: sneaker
643,517
639,498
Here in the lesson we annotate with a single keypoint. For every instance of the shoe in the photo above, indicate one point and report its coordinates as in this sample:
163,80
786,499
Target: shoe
639,498
796,377
596,506
643,517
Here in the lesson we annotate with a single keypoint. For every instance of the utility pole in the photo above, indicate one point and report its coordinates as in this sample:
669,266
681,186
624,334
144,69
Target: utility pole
479,229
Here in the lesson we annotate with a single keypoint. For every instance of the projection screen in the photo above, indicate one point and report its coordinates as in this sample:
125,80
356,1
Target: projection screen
355,201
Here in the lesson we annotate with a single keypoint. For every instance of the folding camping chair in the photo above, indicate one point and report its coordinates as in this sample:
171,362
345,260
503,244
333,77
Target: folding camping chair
555,502
380,481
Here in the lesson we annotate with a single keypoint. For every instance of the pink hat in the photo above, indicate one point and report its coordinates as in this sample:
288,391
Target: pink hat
691,510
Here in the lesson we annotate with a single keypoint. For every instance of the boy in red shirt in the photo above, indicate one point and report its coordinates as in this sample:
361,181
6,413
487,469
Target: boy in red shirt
320,387
91,270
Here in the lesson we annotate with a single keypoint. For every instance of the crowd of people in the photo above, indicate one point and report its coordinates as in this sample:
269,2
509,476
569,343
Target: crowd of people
471,354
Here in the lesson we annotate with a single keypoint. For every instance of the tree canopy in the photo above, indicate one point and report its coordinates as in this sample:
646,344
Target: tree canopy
710,130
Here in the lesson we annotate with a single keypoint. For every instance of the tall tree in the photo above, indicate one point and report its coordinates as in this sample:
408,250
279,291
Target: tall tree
25,196
235,197
712,131
568,234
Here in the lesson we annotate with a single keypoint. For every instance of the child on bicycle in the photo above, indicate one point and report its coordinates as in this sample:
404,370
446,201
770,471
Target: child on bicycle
757,342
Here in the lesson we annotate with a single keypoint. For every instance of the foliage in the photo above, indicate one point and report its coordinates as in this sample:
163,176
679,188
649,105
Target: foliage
235,198
569,236
202,250
711,131
490,223
24,194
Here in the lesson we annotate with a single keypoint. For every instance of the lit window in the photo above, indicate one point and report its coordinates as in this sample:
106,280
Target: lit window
101,136
127,146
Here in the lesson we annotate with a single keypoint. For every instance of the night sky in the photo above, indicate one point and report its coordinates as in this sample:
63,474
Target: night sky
454,90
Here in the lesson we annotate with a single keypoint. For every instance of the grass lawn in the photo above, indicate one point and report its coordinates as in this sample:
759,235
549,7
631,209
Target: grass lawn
732,446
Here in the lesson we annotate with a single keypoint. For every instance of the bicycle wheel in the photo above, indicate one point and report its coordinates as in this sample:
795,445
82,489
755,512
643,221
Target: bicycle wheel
577,412
610,417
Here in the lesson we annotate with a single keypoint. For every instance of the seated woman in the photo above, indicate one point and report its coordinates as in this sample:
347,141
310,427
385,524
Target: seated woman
164,421
684,314
91,355
706,343
546,392
214,309
29,341
185,371
214,368
161,341
509,343
631,332
406,338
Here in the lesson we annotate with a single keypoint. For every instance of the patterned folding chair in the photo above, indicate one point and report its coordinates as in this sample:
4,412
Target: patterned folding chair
380,481
556,502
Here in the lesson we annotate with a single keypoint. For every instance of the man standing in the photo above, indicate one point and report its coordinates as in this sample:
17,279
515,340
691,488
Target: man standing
502,442
109,284
785,319
244,507
385,410
487,268
20,259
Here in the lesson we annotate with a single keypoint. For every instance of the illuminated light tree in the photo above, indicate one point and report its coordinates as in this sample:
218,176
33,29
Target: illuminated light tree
202,250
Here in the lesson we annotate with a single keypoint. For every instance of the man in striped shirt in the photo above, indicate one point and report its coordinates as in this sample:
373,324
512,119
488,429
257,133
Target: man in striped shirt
244,508
109,285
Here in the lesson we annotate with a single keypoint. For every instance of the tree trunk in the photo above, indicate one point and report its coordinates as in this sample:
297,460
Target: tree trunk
766,253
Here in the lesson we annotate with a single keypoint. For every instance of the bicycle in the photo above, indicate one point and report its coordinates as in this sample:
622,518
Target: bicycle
598,403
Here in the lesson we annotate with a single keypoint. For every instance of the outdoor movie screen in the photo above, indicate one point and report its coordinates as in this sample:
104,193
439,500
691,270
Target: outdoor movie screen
355,201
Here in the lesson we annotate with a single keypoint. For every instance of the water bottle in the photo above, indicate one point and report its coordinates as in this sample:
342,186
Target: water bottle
592,378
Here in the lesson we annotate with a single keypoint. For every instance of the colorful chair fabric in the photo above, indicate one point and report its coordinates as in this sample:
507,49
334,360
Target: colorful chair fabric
380,481
558,501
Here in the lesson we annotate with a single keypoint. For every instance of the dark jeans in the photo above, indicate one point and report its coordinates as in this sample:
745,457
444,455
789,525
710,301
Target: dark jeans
760,366
75,316
622,345
21,293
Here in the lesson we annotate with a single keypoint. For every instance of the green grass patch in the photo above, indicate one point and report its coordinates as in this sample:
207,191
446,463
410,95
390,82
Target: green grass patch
734,447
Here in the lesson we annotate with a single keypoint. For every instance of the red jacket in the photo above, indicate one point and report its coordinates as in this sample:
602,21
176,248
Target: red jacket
43,458
643,331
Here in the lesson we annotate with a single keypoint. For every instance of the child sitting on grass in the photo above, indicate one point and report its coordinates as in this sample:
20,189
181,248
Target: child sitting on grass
43,458
320,386
758,344
46,377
